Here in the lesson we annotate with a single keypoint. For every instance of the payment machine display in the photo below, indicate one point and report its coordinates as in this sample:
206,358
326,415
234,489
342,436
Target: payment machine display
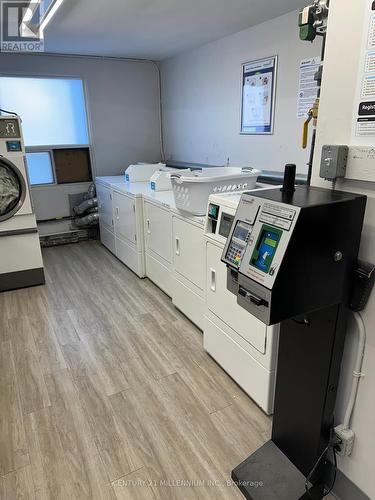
266,248
238,243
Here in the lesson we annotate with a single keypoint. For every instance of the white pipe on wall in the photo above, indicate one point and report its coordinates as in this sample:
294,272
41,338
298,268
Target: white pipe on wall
357,374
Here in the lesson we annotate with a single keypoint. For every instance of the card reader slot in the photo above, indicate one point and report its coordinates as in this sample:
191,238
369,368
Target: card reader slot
258,301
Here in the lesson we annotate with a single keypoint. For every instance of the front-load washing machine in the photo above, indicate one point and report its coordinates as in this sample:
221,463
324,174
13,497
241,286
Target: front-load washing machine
21,263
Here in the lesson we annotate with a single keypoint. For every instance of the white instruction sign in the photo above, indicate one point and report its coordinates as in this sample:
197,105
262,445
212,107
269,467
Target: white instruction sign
308,88
258,96
364,112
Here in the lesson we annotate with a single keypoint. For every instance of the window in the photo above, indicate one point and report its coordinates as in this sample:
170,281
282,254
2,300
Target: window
53,110
53,114
40,168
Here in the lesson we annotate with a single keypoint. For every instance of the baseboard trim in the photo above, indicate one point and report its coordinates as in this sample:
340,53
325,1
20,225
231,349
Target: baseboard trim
345,489
21,279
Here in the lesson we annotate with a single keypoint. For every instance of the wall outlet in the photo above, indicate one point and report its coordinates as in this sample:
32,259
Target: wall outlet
347,437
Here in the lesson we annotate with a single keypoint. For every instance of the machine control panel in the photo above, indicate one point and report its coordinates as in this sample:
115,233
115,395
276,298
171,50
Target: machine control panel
220,215
9,128
260,235
11,142
14,146
277,215
225,224
213,211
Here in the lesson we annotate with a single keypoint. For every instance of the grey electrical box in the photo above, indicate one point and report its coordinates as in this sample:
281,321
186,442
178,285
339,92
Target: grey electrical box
334,161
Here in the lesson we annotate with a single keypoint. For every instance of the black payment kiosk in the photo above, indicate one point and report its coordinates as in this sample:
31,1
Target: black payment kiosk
290,257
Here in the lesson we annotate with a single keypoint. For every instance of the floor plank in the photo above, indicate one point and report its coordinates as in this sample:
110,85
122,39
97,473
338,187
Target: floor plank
135,486
4,327
32,388
77,440
208,390
62,325
194,421
49,351
50,467
13,447
178,455
18,485
115,454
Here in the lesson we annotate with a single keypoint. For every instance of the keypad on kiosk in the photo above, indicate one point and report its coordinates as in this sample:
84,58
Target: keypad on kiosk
235,253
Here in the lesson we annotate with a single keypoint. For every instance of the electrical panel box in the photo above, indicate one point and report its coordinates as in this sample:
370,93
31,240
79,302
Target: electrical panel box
334,161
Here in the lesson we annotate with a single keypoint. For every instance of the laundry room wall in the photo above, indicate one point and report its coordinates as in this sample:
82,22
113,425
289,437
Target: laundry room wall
123,111
336,112
202,99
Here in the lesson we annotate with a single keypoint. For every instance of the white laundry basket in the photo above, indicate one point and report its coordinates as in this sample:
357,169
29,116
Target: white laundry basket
192,190
142,171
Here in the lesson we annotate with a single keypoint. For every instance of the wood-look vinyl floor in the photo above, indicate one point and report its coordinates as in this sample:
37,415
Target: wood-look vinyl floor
107,393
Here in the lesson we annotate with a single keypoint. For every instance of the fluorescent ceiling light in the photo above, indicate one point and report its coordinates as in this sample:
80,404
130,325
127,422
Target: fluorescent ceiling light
27,25
28,28
53,8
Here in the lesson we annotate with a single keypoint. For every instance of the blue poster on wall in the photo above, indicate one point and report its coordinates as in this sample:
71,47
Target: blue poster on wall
258,96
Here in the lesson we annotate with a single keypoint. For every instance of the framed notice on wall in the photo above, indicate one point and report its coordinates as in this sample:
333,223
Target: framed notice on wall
258,96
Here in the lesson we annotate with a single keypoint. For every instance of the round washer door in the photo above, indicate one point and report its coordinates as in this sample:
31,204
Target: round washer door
12,189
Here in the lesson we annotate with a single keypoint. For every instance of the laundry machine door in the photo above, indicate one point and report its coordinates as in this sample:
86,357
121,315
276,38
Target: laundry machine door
224,303
13,189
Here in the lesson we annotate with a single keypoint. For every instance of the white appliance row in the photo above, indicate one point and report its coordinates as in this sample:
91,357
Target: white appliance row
181,254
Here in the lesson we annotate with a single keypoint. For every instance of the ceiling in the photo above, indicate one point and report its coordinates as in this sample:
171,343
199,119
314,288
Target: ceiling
154,29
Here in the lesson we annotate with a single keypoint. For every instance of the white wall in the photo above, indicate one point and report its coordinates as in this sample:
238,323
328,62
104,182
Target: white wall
335,120
122,102
201,99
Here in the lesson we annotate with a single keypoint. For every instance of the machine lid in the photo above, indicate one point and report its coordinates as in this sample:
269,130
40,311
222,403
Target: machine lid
12,189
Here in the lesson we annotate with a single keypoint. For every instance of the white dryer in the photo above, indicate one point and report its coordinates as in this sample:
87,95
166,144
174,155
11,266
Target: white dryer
189,259
121,219
157,206
239,342
21,263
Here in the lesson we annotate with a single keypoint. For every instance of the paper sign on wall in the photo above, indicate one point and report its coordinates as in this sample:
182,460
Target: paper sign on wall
364,112
258,96
308,88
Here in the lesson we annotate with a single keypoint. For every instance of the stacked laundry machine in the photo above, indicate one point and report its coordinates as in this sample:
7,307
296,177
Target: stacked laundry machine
21,263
